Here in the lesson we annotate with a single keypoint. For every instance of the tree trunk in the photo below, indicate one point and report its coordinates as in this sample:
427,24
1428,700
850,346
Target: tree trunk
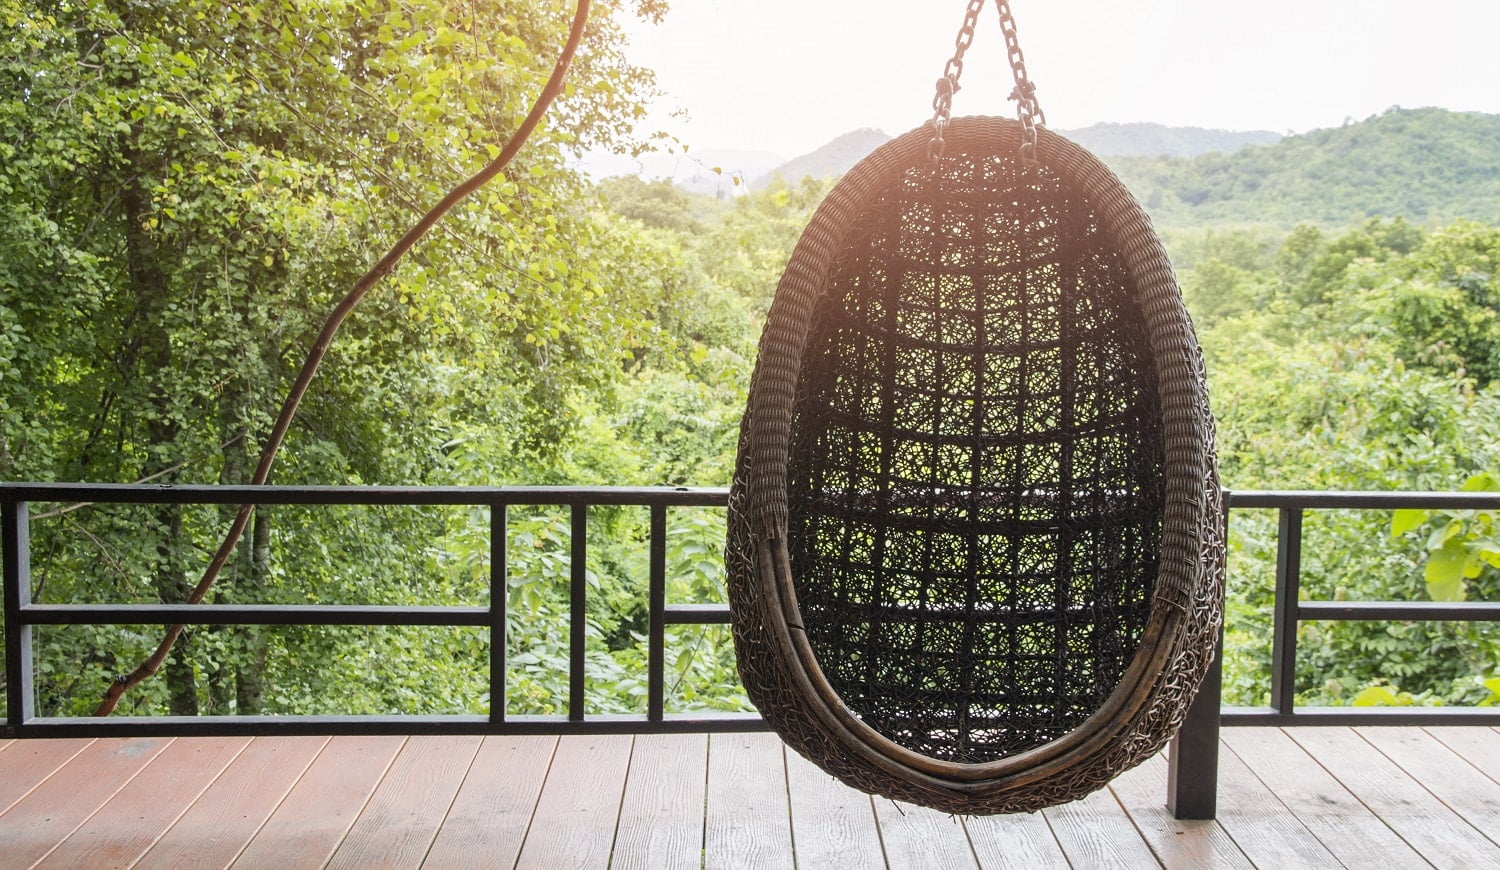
251,673
150,355
172,588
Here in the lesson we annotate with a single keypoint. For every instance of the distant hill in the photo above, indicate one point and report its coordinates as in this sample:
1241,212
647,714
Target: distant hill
1427,165
1132,140
829,161
1158,140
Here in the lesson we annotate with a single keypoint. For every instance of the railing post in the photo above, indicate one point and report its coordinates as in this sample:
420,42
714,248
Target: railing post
657,608
578,569
1193,757
499,599
15,542
1284,619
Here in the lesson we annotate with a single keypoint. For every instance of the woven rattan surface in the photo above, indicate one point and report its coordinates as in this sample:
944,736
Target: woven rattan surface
975,546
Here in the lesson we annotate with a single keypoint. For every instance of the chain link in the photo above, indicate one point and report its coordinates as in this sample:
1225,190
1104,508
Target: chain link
1028,110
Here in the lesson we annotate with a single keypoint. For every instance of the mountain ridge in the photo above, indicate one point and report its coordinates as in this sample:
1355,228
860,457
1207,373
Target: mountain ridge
1425,164
1105,139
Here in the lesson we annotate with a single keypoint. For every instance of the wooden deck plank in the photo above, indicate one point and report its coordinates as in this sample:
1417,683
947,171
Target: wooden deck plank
1461,787
26,763
1267,832
1184,843
575,819
747,823
315,815
487,822
918,837
1423,821
147,806
1480,747
219,824
1354,834
401,819
52,810
753,804
832,824
1095,832
1018,840
661,818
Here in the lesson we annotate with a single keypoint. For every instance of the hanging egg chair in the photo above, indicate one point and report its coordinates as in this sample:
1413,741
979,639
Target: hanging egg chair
976,535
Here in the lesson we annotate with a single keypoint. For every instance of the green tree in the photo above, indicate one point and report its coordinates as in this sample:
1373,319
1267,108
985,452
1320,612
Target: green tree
184,191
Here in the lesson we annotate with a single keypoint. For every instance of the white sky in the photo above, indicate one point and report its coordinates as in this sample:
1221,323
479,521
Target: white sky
788,75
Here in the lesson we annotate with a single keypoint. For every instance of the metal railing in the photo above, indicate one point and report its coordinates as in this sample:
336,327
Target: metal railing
1193,769
21,614
1290,610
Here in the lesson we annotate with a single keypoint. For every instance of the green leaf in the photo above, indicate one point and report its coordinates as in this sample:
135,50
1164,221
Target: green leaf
1445,572
1473,563
1441,537
1376,696
1484,481
1406,519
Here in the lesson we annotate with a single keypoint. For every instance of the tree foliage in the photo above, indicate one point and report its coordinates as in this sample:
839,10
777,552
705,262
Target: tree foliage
1429,166
187,188
1328,370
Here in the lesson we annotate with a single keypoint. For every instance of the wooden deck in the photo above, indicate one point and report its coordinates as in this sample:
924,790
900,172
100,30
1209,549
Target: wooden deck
1306,797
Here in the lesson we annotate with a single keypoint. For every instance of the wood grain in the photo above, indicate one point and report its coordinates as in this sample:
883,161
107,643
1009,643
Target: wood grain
1463,788
1262,826
57,806
832,824
487,822
576,816
401,819
1480,747
1424,822
1177,842
1354,834
1095,832
1021,840
916,836
26,763
312,820
224,818
144,808
661,819
747,823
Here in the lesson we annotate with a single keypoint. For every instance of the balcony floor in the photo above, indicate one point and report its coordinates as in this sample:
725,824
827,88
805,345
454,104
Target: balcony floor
1310,797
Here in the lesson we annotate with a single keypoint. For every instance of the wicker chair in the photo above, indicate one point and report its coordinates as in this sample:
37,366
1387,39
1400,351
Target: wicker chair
976,535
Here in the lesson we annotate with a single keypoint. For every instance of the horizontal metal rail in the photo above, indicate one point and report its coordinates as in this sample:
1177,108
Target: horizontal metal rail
252,614
251,726
403,496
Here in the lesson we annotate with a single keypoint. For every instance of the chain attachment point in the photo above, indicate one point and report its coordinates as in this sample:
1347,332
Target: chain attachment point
1028,110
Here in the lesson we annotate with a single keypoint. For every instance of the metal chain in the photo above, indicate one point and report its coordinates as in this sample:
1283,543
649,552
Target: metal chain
947,85
1028,110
